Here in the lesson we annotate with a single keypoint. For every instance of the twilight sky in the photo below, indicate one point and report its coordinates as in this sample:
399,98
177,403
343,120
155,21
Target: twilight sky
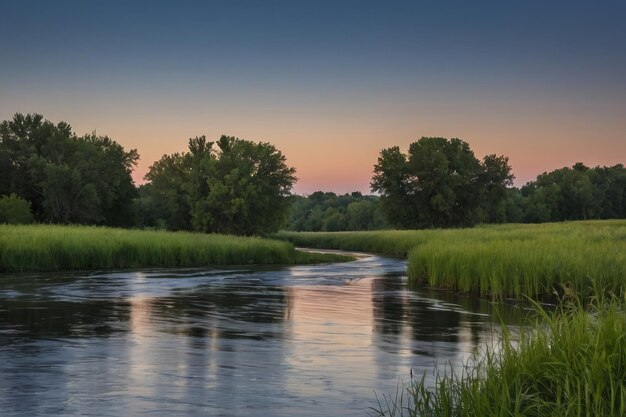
330,83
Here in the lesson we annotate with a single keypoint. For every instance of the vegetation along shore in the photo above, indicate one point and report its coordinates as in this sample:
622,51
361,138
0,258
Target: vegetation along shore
53,248
517,261
569,362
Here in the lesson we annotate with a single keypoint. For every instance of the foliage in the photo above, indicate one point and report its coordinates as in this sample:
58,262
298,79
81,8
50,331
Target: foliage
396,243
322,211
576,193
230,186
66,179
440,183
15,210
536,261
571,362
52,248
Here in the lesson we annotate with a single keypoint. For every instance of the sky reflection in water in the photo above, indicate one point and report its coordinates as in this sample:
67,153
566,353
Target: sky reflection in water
295,341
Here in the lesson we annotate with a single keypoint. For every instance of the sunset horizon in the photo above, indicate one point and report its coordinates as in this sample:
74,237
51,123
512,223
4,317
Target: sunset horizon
342,180
330,85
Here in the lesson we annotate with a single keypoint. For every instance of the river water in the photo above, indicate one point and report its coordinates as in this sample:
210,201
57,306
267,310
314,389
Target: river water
283,341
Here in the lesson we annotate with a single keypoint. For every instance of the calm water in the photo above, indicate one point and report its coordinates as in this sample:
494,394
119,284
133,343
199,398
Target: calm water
294,341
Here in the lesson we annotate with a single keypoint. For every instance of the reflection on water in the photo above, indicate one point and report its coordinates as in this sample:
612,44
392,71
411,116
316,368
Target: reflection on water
296,341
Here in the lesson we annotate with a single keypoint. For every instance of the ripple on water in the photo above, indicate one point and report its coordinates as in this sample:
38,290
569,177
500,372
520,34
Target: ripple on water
241,341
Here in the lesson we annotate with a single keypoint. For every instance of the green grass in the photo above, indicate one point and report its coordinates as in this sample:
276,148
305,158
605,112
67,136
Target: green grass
571,362
517,261
53,248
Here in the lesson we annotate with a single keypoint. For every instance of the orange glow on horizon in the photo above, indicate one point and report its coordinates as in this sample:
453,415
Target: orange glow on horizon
334,142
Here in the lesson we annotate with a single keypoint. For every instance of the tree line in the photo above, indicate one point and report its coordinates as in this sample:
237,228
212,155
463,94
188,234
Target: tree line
65,178
51,175
329,212
440,183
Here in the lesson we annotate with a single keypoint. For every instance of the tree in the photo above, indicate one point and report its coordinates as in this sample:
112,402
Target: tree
67,179
495,180
440,183
68,197
27,142
393,180
15,210
228,186
360,215
576,193
327,211
169,192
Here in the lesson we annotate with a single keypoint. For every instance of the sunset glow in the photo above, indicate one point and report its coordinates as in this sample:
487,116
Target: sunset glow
330,85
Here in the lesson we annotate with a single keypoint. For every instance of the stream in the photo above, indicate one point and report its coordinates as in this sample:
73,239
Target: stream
319,340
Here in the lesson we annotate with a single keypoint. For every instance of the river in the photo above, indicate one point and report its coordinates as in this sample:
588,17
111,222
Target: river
280,341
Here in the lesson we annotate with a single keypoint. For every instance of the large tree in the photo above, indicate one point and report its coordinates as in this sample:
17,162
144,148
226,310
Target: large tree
495,182
66,179
228,186
439,183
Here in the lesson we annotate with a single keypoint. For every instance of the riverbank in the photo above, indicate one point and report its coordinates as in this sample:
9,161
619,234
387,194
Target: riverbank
542,262
568,363
56,248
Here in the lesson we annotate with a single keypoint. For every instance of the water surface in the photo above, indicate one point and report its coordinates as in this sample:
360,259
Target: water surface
289,341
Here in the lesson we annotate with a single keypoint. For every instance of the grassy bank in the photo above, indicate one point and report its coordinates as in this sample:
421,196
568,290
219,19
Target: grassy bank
51,248
396,243
572,362
574,258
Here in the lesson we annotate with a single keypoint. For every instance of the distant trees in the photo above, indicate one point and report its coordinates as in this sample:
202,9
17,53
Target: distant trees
322,211
576,193
49,174
65,178
228,186
440,183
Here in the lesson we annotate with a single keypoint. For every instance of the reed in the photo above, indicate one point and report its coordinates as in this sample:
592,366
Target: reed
570,362
52,248
505,261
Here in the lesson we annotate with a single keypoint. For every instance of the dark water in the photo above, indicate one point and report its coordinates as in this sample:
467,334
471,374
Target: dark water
295,341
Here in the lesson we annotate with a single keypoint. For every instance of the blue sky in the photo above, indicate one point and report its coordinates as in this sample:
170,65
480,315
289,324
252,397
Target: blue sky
330,83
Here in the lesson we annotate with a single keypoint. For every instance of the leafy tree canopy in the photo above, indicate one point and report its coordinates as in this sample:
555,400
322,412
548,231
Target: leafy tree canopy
576,193
439,183
15,210
228,186
66,179
328,211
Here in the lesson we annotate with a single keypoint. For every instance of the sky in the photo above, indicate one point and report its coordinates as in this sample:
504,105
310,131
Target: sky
330,83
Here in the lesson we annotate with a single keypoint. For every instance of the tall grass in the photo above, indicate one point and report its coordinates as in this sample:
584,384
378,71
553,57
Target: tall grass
536,261
50,248
579,258
571,362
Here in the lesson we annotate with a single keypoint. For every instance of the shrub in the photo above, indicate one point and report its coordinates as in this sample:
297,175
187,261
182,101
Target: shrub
15,210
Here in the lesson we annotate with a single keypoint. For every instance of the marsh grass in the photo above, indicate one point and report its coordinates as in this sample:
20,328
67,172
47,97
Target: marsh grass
52,248
570,362
506,261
